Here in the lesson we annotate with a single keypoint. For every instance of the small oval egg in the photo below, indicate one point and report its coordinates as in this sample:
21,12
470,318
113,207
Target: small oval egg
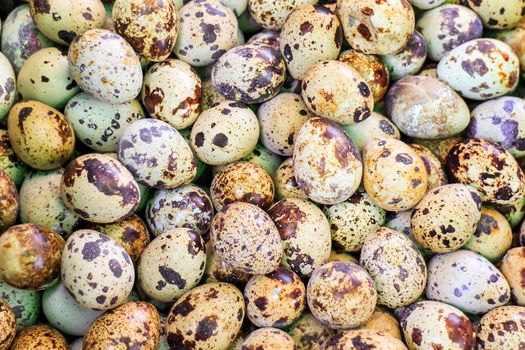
363,338
496,15
9,201
409,60
41,337
10,163
273,15
383,321
435,171
309,334
7,83
284,181
7,325
502,328
268,338
374,126
513,268
25,303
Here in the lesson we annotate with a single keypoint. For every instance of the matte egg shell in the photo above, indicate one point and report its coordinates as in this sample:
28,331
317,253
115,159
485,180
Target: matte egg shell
9,201
513,268
268,338
25,303
284,181
502,329
7,325
41,337
363,338
273,15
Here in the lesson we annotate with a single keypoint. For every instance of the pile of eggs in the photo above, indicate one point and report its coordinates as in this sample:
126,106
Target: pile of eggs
262,175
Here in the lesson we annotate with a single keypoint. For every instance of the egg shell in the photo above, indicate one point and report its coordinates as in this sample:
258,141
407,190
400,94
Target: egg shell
284,181
268,338
377,27
237,6
273,15
224,133
24,303
213,312
9,201
105,66
428,324
218,271
513,268
310,34
374,126
7,325
363,338
496,15
427,4
480,69
435,171
7,85
245,238
309,334
341,295
382,321
333,177
387,156
440,147
409,60
40,135
502,329
41,337
267,37
138,325
96,270
210,95
335,90
207,30
10,163
514,38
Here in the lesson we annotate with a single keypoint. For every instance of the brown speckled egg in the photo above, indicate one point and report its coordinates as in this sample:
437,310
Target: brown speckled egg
208,317
149,26
435,171
41,337
224,133
335,90
172,92
40,135
513,268
376,26
245,237
99,189
10,163
105,66
497,15
268,339
310,34
96,270
9,201
364,339
309,334
30,256
276,299
7,325
131,233
273,15
284,181
409,60
394,175
217,271
383,321
327,166
250,73
396,266
172,264
502,329
375,126
266,37
242,182
440,147
134,325
434,325
341,295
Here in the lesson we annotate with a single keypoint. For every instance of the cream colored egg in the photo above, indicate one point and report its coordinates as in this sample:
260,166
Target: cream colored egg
7,82
498,15
363,338
284,181
374,126
502,329
268,338
273,15
513,267
383,321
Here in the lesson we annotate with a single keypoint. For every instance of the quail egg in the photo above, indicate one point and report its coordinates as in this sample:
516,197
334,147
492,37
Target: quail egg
24,303
7,86
498,15
502,329
40,337
7,325
10,163
383,321
309,334
409,60
374,126
267,339
273,15
217,271
267,37
9,201
435,171
427,4
285,184
513,268
362,339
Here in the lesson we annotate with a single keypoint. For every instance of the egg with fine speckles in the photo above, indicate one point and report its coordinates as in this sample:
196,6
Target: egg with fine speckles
7,325
273,15
25,303
284,181
268,338
362,339
9,201
498,15
218,271
40,337
383,321
502,329
310,334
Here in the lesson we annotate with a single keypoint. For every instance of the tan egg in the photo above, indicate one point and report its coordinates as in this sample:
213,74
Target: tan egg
502,329
364,338
131,233
149,26
210,95
41,337
99,189
172,264
40,135
9,201
498,15
377,27
281,119
273,15
208,316
132,325
309,334
285,184
513,268
394,175
30,256
105,66
310,34
408,61
96,270
217,271
335,90
396,266
435,172
62,21
172,92
440,147
224,133
342,256
375,126
244,237
383,321
353,220
242,182
493,235
341,295
7,82
267,339
7,325
327,165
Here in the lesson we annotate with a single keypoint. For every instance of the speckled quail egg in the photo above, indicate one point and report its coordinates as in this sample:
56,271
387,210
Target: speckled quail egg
263,157
394,176
208,316
24,303
207,30
96,270
383,321
434,325
7,325
498,15
62,21
99,125
40,135
310,34
354,219
435,171
105,66
284,181
377,27
514,214
172,264
186,206
374,126
245,237
335,90
327,165
250,73
309,334
9,201
513,268
210,95
427,4
172,92
20,36
7,86
10,163
440,147
409,60
99,189
273,15
30,256
502,329
425,107
267,339
341,295
218,271
40,337
281,119
480,69
224,133
267,37
446,27
362,339
514,38
138,325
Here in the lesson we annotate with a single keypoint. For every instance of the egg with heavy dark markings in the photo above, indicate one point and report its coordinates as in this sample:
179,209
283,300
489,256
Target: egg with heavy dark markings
7,86
409,60
362,339
285,184
268,338
10,163
25,303
9,201
513,268
40,337
498,15
502,329
7,325
266,37
309,334
435,171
